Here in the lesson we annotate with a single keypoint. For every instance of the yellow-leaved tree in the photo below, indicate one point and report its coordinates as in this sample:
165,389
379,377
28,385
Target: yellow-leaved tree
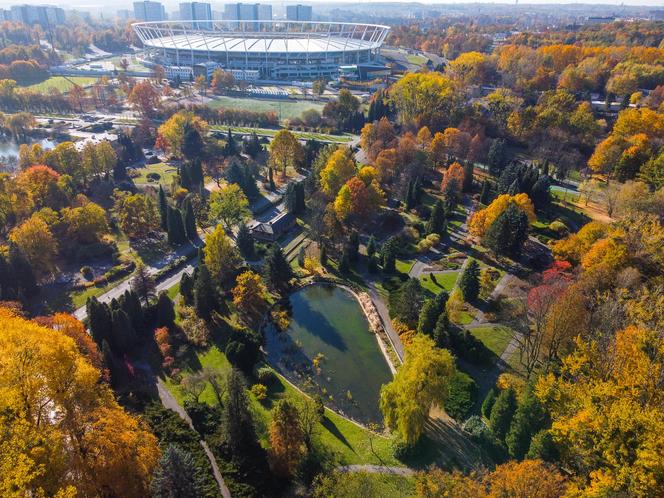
422,381
481,220
338,170
607,407
62,432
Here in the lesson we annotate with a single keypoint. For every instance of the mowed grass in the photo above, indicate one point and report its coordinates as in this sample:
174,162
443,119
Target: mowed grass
494,337
436,283
285,109
416,59
349,443
270,132
60,83
165,172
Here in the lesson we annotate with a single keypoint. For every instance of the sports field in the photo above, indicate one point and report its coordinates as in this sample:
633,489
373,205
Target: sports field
60,83
285,109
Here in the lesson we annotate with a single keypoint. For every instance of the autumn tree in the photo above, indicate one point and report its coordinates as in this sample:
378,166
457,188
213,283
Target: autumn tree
229,205
136,214
87,223
607,400
221,256
34,240
249,296
453,179
286,438
176,133
285,151
339,168
422,381
427,97
144,97
358,200
62,424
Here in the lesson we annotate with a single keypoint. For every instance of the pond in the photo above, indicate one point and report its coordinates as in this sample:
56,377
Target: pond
9,151
329,350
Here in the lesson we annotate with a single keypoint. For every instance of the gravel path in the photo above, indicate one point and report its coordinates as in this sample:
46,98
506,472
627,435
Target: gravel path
377,469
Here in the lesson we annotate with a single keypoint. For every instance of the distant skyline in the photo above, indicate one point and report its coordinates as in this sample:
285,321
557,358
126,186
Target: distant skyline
173,4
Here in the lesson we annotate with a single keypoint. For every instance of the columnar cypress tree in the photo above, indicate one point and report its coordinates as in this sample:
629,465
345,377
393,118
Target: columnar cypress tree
163,209
165,310
187,288
371,246
353,246
230,149
123,336
488,402
185,178
245,242
189,220
196,173
502,413
470,281
300,257
300,201
99,320
176,232
541,194
277,270
205,300
437,222
131,304
290,198
528,419
323,256
428,317
468,173
485,196
344,262
441,332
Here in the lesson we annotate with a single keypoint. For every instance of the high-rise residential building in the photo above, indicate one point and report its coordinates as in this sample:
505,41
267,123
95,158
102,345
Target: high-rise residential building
5,15
199,12
298,12
45,15
149,11
248,12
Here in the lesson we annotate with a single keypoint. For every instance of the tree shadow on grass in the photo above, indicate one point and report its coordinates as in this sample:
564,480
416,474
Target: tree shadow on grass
334,430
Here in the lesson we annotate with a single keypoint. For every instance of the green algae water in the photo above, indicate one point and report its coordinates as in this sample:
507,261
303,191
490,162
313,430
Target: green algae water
329,350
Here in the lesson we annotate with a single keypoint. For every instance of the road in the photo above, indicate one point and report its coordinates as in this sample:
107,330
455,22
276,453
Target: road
384,314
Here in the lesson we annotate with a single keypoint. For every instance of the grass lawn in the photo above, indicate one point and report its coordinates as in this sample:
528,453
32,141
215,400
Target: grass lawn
495,337
349,443
285,109
60,83
439,282
165,171
270,132
404,265
416,59
464,318
79,298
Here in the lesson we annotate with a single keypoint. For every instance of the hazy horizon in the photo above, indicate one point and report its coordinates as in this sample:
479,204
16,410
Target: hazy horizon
172,4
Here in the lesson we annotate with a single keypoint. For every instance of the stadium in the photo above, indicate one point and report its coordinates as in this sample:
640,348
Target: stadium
271,50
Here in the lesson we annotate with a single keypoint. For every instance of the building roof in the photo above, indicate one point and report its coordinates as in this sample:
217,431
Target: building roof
274,226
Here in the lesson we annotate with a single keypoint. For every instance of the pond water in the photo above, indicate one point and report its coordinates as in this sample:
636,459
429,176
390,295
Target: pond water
9,151
327,320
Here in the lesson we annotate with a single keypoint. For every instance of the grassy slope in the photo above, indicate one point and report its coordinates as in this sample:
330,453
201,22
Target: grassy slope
289,109
60,83
348,442
496,338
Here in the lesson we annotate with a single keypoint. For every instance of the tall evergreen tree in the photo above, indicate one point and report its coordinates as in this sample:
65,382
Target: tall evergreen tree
122,336
468,175
277,270
437,222
344,262
371,246
131,304
99,320
353,246
143,283
26,282
165,310
428,317
245,242
541,193
230,149
253,146
176,232
163,209
177,476
485,196
189,219
323,256
497,156
301,255
205,300
470,281
441,332
528,420
290,198
192,142
502,412
187,288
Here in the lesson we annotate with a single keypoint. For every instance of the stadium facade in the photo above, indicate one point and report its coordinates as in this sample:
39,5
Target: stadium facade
278,50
